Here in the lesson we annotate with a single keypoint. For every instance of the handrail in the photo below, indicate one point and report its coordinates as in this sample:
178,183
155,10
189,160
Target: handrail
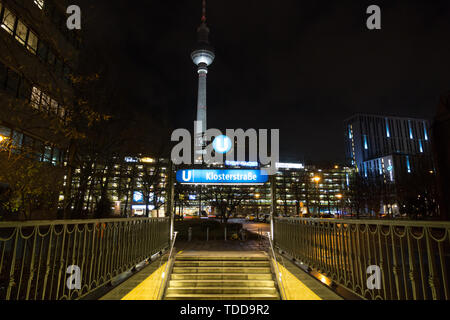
34,223
38,258
168,264
278,273
374,259
400,223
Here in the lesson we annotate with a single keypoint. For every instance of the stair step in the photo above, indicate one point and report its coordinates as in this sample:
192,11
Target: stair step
221,283
222,263
221,270
221,276
221,258
176,296
222,290
217,276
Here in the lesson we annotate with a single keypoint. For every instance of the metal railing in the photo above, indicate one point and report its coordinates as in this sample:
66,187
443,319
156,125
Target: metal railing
37,258
412,257
274,263
167,270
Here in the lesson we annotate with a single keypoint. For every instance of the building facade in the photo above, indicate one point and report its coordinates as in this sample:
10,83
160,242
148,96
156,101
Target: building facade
299,190
134,185
38,56
387,146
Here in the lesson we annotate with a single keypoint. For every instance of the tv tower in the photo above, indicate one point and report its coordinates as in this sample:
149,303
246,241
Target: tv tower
203,56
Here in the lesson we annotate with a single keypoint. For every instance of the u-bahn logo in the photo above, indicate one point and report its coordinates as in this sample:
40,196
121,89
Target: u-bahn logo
186,176
222,144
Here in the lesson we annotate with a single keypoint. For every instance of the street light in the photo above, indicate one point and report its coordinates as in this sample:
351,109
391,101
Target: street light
339,196
317,179
3,142
257,196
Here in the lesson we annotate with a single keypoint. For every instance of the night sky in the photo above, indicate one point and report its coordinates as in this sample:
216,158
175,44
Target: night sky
298,66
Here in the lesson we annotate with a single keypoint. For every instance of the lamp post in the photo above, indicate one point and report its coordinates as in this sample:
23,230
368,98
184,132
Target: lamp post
257,196
339,196
317,179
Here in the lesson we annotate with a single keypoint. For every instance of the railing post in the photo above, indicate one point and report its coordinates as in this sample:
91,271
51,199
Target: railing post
273,203
170,199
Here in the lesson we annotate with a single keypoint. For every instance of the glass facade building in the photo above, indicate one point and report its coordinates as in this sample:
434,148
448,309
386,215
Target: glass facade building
390,146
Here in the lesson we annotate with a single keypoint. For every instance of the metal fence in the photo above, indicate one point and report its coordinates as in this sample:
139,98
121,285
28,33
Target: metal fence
412,257
36,256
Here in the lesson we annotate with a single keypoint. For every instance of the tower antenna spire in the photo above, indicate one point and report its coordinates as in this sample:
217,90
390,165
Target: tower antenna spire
204,12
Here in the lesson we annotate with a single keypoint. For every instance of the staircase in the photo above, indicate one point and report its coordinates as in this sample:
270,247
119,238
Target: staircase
222,276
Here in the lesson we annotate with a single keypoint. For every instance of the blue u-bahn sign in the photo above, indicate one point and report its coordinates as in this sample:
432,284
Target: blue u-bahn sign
213,176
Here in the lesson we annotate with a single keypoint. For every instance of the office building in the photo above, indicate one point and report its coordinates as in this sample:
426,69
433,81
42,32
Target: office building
38,56
388,146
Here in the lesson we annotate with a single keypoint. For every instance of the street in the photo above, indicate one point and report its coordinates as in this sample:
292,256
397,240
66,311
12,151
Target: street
254,227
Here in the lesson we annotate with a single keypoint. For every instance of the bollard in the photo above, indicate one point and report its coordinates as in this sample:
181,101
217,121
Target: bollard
225,233
190,234
207,234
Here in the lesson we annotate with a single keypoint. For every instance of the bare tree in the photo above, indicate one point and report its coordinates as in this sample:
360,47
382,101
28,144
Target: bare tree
226,199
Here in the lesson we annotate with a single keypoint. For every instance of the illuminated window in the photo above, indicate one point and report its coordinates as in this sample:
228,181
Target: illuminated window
32,43
410,130
35,98
45,102
21,32
39,3
8,21
366,145
408,164
47,154
388,134
425,131
420,146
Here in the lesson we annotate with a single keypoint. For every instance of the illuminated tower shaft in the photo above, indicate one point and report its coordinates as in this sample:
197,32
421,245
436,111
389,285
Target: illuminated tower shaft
202,56
201,101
